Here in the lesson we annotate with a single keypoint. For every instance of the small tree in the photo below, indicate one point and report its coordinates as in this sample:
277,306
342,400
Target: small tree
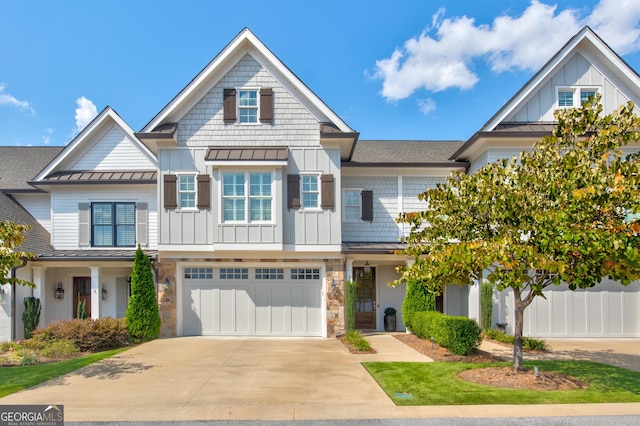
142,317
486,304
419,298
12,236
30,315
350,305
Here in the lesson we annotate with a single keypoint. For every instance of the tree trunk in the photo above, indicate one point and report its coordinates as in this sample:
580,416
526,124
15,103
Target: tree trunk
519,306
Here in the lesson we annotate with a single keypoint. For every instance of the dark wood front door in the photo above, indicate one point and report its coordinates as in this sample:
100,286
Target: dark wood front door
81,291
365,298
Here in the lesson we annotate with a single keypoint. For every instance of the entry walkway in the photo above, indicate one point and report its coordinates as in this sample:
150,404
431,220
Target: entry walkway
202,378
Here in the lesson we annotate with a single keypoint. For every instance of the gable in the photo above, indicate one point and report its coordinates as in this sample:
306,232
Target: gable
576,72
113,150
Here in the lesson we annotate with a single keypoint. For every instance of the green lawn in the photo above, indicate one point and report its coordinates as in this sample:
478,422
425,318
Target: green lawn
15,379
435,383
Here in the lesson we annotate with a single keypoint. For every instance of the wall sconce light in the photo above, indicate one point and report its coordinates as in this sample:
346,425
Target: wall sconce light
333,285
166,284
367,267
59,292
104,293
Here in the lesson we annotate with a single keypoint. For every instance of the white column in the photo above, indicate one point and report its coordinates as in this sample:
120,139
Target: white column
40,292
474,300
96,299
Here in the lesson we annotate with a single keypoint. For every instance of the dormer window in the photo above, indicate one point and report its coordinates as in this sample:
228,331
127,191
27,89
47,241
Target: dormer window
574,97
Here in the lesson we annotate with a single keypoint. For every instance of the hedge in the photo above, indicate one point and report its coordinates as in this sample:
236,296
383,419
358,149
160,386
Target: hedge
460,335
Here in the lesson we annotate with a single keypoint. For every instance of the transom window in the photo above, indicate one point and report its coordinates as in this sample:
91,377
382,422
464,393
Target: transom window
187,191
248,105
234,273
198,273
569,97
305,274
269,273
244,192
310,191
352,211
113,224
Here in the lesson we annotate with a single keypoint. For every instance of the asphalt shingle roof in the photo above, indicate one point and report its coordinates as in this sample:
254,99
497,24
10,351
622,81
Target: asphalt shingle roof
20,164
37,239
404,152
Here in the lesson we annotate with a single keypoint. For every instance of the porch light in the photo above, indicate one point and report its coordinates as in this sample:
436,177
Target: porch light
367,267
166,284
104,293
59,293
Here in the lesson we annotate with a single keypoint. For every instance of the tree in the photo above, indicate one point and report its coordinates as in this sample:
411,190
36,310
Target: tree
142,317
11,238
557,214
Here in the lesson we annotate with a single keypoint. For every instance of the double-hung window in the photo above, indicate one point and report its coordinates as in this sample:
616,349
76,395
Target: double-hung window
113,224
187,191
310,192
247,106
247,197
352,211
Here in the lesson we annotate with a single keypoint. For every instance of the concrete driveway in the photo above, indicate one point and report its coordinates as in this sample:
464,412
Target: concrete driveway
206,378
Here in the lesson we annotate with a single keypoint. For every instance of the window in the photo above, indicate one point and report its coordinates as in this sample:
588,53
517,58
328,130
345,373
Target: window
234,273
310,191
269,273
198,273
248,106
187,191
569,97
113,224
305,274
247,192
352,206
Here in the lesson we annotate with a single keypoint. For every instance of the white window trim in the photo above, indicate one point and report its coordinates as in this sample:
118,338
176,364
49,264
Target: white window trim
195,190
576,94
318,208
247,197
238,107
344,205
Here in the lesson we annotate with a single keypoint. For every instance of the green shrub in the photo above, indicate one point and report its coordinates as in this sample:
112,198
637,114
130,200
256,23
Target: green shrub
59,349
350,305
460,335
87,334
30,315
358,341
528,343
417,299
486,304
82,308
26,356
142,318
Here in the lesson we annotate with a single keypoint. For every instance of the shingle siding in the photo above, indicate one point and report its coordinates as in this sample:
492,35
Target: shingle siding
385,209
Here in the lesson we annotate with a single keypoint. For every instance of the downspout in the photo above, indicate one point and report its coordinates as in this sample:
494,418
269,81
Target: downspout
13,296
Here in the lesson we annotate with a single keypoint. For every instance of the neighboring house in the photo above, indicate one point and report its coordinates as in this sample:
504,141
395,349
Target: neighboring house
256,202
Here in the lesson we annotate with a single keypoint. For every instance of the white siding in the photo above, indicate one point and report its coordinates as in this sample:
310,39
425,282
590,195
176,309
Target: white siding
64,204
113,151
292,124
38,206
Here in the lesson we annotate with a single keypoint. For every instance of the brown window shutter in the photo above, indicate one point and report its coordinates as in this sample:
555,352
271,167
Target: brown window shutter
327,192
229,104
266,105
293,191
170,192
367,206
204,192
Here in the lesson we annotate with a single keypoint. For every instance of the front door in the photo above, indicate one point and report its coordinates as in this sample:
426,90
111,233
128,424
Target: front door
365,278
81,292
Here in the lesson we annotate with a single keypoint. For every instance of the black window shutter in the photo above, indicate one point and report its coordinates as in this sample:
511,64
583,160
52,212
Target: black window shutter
326,182
170,192
266,105
367,206
204,192
229,105
293,191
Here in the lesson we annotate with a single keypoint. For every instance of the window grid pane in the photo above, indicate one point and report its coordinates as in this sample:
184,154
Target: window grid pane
187,191
565,98
198,273
234,273
310,193
113,224
352,205
269,273
248,106
585,95
305,274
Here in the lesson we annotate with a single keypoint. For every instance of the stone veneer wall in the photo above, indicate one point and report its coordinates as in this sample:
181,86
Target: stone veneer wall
167,297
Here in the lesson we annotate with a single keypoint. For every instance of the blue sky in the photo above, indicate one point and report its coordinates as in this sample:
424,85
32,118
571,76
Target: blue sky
397,69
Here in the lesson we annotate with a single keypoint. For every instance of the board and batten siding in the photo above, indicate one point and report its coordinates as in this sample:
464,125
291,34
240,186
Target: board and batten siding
292,125
38,206
64,207
113,151
577,71
493,155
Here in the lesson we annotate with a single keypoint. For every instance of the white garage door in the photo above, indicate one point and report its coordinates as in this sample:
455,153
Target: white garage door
252,301
607,310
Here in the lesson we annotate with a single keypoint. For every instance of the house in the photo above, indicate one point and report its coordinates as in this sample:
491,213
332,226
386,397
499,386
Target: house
256,202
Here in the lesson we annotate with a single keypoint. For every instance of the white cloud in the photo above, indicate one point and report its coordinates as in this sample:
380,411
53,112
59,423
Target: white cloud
46,139
7,99
85,112
443,56
426,105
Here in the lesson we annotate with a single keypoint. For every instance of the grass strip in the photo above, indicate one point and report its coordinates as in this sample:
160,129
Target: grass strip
15,379
436,383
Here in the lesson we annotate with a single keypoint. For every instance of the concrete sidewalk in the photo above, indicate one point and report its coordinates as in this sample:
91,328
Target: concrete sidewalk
203,378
